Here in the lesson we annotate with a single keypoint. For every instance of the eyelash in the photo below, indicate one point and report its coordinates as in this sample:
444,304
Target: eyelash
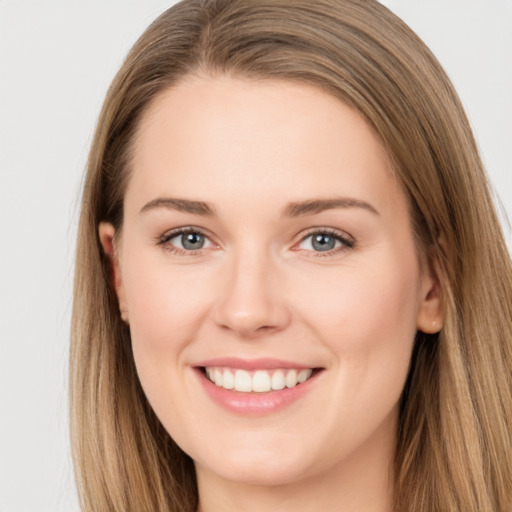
163,241
346,241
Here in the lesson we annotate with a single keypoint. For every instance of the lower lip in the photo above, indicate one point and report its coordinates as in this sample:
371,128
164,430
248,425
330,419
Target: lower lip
255,403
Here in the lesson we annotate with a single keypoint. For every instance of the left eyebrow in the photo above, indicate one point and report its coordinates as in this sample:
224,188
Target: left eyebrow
314,206
182,205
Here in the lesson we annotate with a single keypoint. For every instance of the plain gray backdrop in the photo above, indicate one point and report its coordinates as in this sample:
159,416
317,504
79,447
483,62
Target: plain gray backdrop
56,61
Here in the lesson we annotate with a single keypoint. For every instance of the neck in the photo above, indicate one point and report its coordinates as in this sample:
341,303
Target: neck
363,481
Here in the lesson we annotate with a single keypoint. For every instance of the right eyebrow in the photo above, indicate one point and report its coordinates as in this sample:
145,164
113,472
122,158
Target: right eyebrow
314,206
182,205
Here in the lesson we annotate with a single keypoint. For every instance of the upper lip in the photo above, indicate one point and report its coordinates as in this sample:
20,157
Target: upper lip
252,364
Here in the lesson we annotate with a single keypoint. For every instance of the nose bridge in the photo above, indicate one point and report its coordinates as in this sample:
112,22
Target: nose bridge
252,301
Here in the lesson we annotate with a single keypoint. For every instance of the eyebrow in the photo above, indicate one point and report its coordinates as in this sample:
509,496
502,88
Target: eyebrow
314,206
182,205
295,209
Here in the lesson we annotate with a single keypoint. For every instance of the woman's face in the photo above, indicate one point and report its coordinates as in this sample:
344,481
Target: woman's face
267,241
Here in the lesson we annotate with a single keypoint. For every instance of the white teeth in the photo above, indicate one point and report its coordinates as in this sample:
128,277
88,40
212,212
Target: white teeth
243,381
217,376
304,375
228,380
278,380
259,381
291,379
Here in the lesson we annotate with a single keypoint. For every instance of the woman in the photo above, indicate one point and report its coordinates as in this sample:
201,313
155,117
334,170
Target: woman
289,274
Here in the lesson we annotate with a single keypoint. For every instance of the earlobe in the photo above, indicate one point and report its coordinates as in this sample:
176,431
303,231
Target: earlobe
430,312
107,238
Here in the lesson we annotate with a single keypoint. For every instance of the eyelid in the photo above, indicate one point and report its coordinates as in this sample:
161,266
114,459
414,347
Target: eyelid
163,240
347,241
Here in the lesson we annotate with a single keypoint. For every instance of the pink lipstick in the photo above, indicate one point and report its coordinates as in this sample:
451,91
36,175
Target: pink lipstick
255,387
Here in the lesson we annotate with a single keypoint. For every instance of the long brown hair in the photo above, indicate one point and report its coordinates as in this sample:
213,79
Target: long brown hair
454,441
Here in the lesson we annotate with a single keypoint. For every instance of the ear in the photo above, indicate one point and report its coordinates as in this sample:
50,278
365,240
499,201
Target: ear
430,312
107,238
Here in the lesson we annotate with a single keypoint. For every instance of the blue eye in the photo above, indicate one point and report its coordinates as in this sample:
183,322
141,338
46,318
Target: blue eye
191,241
325,241
185,240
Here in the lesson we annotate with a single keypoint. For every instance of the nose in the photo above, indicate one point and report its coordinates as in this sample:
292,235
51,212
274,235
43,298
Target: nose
252,303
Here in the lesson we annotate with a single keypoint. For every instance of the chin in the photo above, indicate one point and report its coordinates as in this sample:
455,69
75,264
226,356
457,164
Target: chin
257,462
266,472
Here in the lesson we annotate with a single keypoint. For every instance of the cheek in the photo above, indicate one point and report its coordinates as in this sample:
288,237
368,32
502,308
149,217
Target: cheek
368,322
164,305
166,309
367,318
350,303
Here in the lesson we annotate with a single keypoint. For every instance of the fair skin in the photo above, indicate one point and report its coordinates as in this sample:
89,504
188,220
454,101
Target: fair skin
298,255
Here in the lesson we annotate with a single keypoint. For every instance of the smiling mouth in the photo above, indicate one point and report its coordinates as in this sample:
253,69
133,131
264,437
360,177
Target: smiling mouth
257,381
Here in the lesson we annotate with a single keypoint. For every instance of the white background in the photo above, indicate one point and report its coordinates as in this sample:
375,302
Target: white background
56,61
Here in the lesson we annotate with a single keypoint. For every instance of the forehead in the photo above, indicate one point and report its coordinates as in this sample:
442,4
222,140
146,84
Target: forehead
274,138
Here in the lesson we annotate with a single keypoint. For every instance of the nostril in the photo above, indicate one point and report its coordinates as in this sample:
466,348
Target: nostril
250,319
